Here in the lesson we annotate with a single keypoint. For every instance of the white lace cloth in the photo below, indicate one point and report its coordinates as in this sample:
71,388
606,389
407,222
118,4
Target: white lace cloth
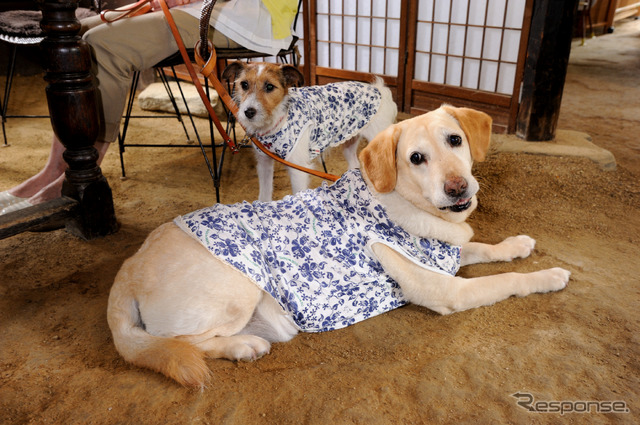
312,251
337,111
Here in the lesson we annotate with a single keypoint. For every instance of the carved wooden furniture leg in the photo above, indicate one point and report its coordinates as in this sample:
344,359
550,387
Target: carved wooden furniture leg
72,99
86,205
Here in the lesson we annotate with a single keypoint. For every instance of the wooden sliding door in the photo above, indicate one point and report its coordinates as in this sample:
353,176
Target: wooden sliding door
463,52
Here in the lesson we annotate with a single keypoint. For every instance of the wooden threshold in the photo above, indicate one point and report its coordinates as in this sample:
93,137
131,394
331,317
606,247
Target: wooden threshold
38,218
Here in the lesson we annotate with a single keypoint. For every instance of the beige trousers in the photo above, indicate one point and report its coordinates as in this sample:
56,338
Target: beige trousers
133,44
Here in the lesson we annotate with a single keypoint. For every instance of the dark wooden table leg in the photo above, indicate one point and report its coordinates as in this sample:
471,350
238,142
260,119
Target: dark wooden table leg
72,99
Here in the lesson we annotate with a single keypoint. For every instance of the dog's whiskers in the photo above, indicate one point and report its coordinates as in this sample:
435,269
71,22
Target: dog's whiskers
483,183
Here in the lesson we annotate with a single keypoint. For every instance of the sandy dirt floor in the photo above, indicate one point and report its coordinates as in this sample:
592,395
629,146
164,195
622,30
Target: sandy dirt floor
58,363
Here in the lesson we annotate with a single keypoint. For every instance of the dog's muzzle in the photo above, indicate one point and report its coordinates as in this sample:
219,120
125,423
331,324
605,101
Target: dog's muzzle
456,188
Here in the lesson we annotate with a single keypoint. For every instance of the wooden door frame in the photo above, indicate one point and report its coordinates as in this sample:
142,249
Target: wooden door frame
503,108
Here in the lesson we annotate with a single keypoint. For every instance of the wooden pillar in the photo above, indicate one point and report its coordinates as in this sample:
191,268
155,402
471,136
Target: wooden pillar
305,21
72,99
545,68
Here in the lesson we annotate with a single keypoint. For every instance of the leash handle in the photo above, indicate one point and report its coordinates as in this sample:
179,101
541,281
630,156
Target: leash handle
194,77
134,9
205,18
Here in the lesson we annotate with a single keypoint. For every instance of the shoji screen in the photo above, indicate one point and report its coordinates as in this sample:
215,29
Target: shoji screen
469,43
359,35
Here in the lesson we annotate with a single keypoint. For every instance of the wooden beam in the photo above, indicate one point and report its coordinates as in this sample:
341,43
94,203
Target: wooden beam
50,215
545,68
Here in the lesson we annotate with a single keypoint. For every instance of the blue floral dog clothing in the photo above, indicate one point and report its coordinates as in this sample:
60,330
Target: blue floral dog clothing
337,111
312,251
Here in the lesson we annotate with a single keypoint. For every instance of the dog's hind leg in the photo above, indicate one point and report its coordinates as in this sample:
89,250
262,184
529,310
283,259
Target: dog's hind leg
270,322
235,347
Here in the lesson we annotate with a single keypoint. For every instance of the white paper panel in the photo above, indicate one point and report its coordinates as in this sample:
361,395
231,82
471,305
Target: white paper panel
378,34
422,66
476,12
423,37
465,43
437,69
510,45
456,40
393,34
377,60
454,71
364,55
349,57
507,78
471,70
349,29
488,73
515,13
391,64
364,7
335,6
364,31
496,11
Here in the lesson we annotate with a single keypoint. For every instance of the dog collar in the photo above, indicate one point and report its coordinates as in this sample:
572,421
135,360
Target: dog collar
276,125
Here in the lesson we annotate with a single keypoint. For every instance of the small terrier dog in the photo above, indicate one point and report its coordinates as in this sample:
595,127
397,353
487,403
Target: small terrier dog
299,123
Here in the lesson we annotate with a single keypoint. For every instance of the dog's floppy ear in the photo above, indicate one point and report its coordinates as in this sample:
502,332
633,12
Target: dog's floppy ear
476,126
378,159
292,76
232,71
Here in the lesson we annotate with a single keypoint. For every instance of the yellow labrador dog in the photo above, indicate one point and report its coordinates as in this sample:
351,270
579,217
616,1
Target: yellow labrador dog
227,281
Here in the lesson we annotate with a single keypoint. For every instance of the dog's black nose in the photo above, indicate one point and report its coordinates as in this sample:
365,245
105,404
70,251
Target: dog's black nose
455,186
250,112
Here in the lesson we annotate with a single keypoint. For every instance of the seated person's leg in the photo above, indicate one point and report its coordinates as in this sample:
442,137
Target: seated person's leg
118,49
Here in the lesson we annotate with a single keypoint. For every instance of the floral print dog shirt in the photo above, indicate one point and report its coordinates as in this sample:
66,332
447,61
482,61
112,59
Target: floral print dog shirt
338,112
312,251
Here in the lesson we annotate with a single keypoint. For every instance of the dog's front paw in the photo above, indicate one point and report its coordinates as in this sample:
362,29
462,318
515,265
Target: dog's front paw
544,281
520,246
558,278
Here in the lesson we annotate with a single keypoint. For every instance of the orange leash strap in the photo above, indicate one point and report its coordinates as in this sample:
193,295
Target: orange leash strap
207,70
194,77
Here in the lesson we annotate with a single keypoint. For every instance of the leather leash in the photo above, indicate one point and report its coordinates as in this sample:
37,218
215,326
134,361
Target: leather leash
203,48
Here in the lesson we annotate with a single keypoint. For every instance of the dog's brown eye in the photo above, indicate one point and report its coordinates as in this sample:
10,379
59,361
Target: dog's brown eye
269,87
416,158
244,85
455,140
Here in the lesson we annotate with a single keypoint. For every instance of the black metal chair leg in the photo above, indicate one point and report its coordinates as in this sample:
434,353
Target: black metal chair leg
216,171
123,133
7,89
172,99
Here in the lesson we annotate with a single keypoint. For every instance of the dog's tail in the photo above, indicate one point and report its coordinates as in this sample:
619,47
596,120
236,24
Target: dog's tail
388,111
387,96
175,358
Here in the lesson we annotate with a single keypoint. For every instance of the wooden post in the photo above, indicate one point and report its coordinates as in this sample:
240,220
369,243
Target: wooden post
545,68
72,99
